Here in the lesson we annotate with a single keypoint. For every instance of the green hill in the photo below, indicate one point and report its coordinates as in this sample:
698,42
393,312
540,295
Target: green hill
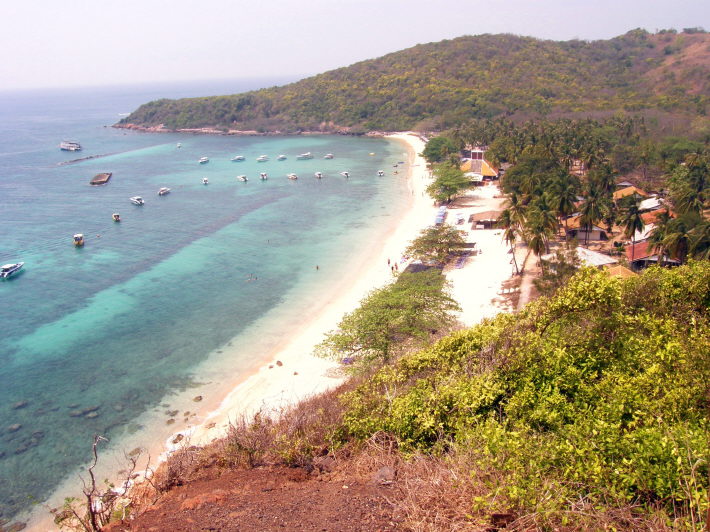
437,85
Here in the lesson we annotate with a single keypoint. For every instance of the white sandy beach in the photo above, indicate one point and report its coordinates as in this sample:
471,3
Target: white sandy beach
290,372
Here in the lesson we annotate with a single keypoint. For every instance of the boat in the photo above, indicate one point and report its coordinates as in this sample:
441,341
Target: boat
69,145
380,173
345,174
292,176
78,240
328,156
8,270
101,179
205,181
262,159
178,145
136,200
318,174
263,176
307,155
281,157
163,191
371,154
242,178
116,217
203,160
237,159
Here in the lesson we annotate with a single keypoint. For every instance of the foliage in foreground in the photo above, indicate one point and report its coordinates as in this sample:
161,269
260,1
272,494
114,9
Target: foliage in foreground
597,396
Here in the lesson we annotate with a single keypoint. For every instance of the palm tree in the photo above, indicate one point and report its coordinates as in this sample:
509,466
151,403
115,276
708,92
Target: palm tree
632,222
700,241
510,234
658,235
564,198
679,235
591,211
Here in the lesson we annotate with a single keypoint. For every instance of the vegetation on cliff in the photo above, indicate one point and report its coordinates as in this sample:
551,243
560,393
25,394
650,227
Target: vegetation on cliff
438,85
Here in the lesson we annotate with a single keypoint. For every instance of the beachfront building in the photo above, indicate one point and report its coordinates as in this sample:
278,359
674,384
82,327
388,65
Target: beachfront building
484,220
475,166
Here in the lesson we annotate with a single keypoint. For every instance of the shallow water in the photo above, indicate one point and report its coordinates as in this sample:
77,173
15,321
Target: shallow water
93,338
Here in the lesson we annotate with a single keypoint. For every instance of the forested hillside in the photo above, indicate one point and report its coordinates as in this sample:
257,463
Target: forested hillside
438,85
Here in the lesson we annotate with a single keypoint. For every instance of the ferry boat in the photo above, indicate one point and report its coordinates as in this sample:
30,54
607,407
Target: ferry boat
242,178
345,174
205,181
262,159
116,217
203,160
307,155
328,156
318,174
237,159
292,176
69,145
281,157
136,200
163,191
78,240
8,270
263,176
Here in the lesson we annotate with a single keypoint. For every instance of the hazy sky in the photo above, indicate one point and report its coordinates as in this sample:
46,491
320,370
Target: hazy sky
48,43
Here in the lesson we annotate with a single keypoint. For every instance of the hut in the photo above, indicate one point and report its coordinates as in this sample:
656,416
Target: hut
484,220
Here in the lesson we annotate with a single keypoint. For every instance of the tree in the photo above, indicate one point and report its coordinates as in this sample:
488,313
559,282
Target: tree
448,182
591,211
679,234
560,269
409,309
632,222
438,149
436,244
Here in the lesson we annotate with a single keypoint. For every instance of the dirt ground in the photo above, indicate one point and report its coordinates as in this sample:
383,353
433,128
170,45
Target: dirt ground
270,499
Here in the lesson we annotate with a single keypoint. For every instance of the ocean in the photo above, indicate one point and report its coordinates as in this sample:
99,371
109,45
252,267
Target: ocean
185,293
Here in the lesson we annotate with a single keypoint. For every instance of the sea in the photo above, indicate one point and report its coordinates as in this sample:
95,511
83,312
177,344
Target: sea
179,298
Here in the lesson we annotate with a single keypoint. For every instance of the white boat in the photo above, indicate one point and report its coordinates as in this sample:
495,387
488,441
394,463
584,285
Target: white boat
262,159
307,155
242,178
163,191
116,217
328,156
263,176
205,181
318,174
136,200
178,145
345,174
292,176
69,145
203,160
380,173
237,159
281,157
8,270
78,240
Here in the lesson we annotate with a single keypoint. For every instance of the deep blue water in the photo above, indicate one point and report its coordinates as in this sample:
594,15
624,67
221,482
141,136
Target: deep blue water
116,327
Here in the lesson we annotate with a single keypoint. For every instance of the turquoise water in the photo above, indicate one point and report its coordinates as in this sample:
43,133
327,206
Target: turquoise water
93,338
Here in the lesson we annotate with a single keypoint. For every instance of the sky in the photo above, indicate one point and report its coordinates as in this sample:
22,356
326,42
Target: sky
70,43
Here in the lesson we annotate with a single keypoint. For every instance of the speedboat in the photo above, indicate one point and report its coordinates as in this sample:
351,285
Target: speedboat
116,217
136,200
78,240
203,160
205,181
318,174
163,191
307,155
242,178
281,157
69,145
262,159
8,270
328,156
263,176
380,173
237,159
345,174
292,176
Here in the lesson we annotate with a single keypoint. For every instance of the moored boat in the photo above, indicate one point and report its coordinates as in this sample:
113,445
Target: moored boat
163,191
203,160
178,145
8,270
307,155
319,175
345,174
101,179
205,181
78,240
328,156
69,145
237,159
136,200
116,217
242,178
380,173
281,157
292,176
263,176
262,158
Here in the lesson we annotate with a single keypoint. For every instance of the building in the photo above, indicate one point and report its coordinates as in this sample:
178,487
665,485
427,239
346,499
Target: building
575,229
484,220
640,257
587,257
475,166
629,191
